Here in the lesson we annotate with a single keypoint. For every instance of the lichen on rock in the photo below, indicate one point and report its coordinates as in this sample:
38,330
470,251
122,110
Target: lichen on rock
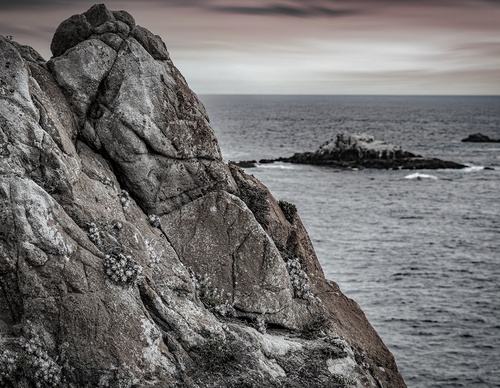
131,254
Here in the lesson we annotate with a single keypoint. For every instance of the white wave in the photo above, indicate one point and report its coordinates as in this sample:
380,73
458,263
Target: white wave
473,168
420,176
274,165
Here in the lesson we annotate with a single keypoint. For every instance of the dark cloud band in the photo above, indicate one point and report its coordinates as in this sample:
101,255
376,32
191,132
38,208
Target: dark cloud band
282,10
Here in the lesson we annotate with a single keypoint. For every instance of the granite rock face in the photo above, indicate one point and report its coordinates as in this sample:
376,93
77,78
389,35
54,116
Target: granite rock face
131,255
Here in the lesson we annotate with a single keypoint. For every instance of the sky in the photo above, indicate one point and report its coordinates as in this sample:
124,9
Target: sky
381,47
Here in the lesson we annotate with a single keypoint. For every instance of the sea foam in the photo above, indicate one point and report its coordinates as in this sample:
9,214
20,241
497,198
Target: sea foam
473,168
420,176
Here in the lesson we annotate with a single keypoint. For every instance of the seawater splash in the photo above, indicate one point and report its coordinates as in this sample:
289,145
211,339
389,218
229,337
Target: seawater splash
420,176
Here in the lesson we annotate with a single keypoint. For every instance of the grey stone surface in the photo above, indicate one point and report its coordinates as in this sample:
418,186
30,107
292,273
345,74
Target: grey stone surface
131,255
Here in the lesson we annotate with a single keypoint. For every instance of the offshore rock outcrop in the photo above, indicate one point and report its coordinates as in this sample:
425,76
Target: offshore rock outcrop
131,255
480,138
362,151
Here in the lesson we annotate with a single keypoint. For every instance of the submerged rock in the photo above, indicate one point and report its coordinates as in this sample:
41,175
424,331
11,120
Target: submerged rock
480,138
132,255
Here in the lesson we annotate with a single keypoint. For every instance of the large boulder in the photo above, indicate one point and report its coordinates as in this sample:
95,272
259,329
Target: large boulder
132,255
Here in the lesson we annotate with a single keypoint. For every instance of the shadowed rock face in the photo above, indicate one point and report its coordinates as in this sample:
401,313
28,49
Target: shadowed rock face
131,254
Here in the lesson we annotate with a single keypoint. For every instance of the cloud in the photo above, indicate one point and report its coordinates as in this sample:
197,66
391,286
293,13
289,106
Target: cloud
284,46
283,10
25,30
26,4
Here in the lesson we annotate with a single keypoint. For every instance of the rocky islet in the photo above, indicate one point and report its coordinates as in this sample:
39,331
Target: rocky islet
348,150
479,138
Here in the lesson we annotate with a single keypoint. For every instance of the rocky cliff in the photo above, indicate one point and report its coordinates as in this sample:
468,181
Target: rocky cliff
131,255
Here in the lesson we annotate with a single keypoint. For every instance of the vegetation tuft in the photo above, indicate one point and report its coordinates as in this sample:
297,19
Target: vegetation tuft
317,328
256,200
289,210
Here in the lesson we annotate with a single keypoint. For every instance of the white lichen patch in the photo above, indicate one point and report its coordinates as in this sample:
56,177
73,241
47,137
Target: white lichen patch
344,369
152,352
270,366
277,346
33,255
38,224
341,366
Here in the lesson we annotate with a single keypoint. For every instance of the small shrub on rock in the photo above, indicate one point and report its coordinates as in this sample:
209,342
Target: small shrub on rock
289,210
46,372
154,257
8,368
94,234
317,328
154,220
125,199
261,324
299,279
98,235
122,269
256,200
220,354
212,298
31,363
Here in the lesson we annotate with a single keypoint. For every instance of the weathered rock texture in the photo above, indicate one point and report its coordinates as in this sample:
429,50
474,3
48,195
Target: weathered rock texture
355,151
131,255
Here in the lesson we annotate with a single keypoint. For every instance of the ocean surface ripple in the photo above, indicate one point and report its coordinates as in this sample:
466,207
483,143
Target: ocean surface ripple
418,250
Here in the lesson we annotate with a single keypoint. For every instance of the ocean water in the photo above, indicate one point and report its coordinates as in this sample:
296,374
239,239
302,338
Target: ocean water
418,250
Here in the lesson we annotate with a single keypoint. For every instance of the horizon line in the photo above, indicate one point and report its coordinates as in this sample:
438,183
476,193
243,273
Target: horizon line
345,95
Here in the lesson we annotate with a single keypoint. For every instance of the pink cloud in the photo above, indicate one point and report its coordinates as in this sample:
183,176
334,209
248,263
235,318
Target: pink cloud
292,42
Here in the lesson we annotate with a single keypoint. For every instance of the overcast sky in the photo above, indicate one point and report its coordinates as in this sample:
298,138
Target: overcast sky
304,46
